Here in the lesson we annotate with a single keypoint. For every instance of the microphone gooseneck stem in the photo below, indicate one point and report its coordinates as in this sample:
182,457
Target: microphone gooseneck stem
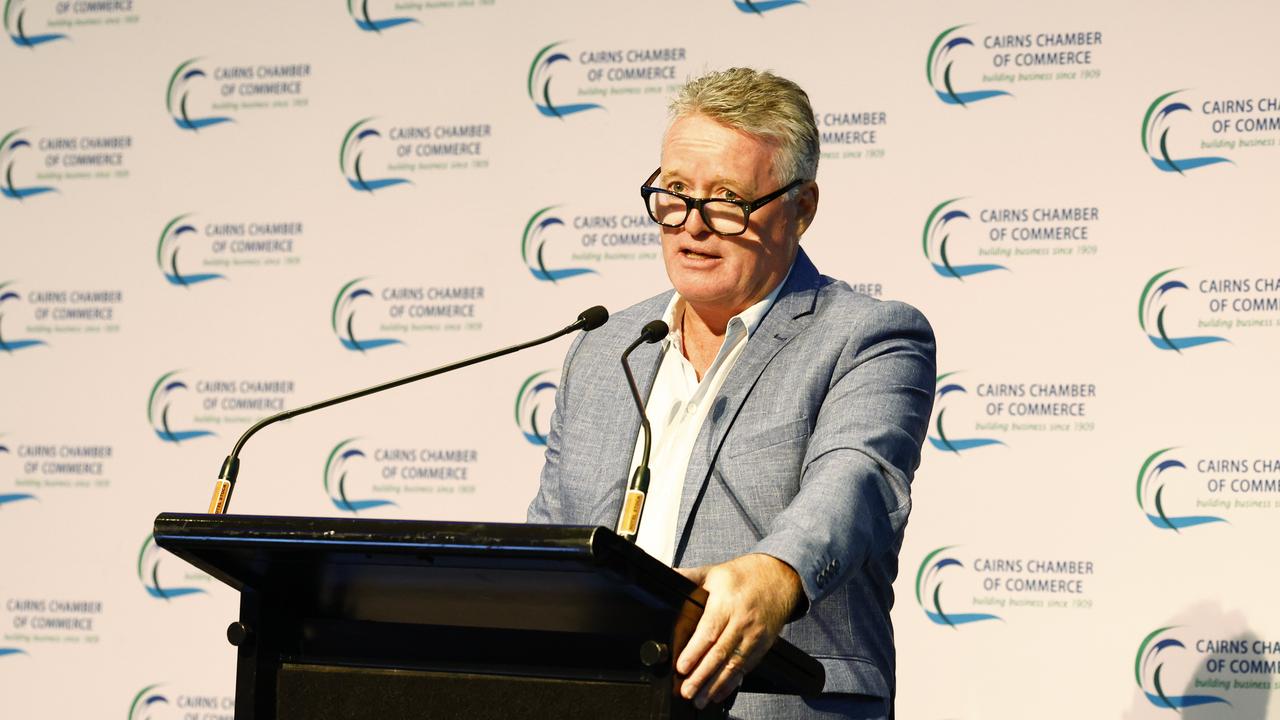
635,396
638,487
231,466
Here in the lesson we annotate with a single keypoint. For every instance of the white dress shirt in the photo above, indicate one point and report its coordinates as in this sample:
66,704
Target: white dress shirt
677,406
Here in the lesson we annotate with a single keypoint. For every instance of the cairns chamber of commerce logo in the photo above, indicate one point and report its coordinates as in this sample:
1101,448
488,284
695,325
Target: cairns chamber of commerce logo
9,149
8,300
358,138
336,467
929,590
15,23
1152,306
938,70
760,7
164,393
537,233
1148,671
6,498
539,84
534,403
178,93
1155,136
167,254
937,236
150,558
343,318
1151,485
146,703
941,440
359,12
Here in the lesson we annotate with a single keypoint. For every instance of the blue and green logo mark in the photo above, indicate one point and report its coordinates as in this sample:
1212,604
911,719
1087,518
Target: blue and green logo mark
1155,137
1151,309
180,90
15,17
167,254
149,558
9,147
1148,667
352,154
929,591
335,478
534,242
938,71
532,416
6,498
760,7
145,701
937,235
12,345
1151,484
343,317
366,22
942,441
539,84
159,405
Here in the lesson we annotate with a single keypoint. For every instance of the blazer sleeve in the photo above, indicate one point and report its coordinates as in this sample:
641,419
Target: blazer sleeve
546,506
855,483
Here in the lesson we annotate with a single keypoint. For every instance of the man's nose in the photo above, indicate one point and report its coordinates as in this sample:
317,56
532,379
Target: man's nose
696,226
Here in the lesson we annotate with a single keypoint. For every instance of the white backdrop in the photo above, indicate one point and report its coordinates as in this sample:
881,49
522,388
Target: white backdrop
186,243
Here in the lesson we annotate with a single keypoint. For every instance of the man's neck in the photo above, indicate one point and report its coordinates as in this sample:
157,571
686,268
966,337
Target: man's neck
701,340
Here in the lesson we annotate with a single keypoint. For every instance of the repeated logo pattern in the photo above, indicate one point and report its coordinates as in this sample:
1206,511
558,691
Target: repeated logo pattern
1148,671
1156,125
940,63
1152,306
929,590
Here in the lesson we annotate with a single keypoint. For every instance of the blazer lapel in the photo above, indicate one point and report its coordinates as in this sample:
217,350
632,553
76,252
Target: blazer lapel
788,316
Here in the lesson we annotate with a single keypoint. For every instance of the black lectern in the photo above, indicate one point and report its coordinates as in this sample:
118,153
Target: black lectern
352,619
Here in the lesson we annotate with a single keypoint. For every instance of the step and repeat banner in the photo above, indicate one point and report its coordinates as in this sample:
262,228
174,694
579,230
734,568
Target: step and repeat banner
216,211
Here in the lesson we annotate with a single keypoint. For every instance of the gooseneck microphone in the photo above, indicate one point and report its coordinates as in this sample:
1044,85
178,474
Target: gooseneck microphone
638,488
588,320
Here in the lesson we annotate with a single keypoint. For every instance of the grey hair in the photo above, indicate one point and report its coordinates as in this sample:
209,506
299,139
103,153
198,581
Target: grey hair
762,104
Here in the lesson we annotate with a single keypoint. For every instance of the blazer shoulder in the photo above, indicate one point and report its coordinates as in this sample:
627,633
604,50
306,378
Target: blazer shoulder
624,325
841,306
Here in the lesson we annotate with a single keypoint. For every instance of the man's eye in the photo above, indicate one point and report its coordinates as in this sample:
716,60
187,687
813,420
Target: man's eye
676,187
730,195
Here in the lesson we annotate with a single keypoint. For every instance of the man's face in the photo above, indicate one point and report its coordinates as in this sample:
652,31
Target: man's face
725,275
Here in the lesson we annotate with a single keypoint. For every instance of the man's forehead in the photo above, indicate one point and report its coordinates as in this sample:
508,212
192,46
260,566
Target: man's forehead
697,144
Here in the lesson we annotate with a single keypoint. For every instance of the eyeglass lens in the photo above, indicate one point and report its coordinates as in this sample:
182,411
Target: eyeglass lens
721,216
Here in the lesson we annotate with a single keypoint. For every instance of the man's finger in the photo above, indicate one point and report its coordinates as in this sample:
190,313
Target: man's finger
710,627
728,679
713,662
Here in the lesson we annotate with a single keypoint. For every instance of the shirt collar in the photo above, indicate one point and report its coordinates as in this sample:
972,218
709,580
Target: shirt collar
746,321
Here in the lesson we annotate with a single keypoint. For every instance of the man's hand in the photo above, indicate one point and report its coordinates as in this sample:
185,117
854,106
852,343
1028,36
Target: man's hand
749,600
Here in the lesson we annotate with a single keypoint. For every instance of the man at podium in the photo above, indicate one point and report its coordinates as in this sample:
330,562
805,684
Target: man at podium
787,411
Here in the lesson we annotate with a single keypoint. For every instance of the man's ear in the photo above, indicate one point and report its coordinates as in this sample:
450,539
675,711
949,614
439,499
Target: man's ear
806,207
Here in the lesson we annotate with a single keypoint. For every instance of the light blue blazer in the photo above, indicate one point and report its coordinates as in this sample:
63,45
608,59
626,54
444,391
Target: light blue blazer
807,455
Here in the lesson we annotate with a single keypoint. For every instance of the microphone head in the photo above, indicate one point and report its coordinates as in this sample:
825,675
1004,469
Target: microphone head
593,317
653,331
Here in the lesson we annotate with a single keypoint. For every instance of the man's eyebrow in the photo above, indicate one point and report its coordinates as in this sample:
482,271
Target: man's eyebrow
745,186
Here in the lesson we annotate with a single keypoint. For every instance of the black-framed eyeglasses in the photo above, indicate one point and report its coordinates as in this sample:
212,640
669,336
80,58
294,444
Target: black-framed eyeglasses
722,215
